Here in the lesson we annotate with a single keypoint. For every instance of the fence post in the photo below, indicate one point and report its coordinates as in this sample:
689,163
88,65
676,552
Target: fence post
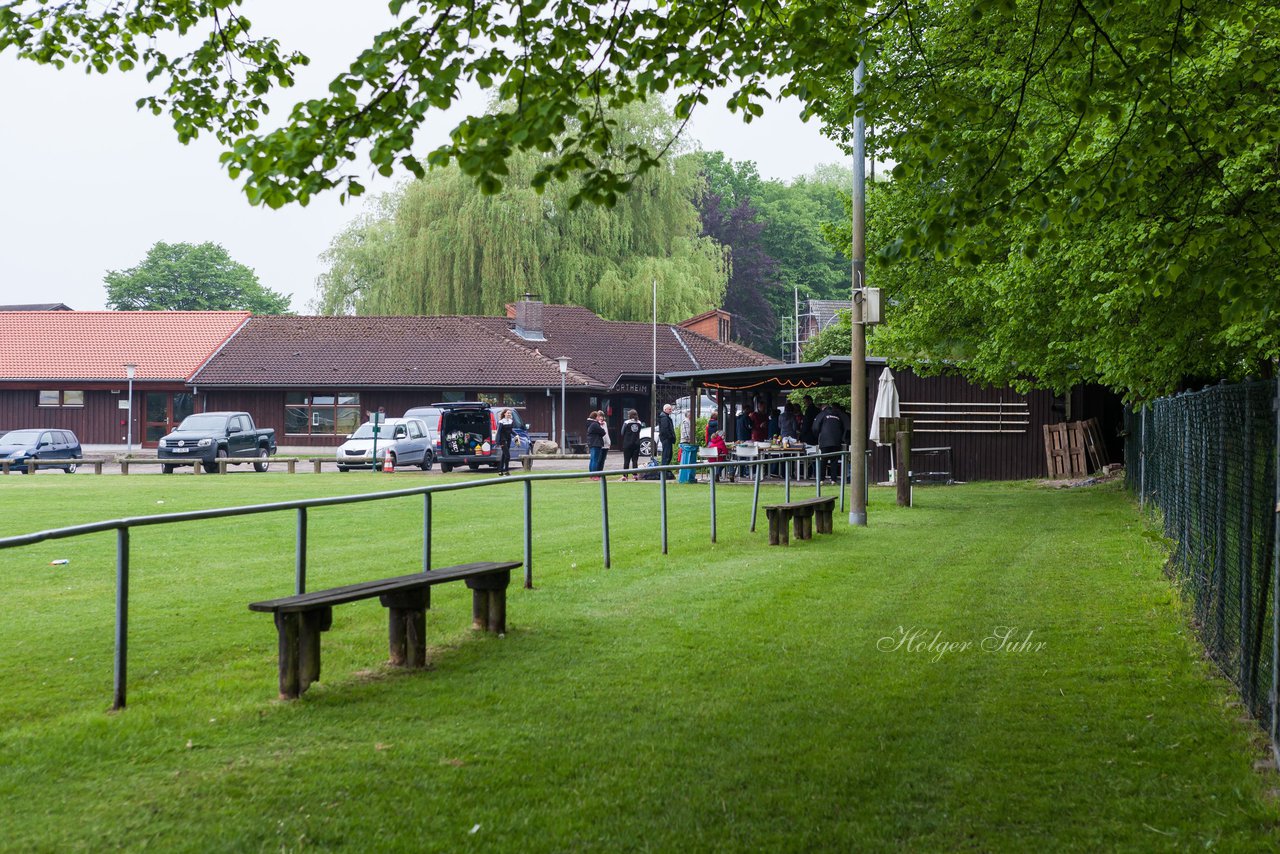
122,617
1246,556
662,506
755,496
1275,590
817,477
300,555
528,535
715,472
786,477
1142,462
844,461
426,532
604,514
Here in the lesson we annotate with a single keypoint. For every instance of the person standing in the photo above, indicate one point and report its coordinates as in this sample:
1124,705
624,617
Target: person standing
607,441
713,426
631,445
595,443
505,424
688,450
666,435
808,415
759,423
830,429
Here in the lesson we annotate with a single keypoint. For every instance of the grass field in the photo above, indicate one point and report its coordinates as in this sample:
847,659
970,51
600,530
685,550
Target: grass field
834,695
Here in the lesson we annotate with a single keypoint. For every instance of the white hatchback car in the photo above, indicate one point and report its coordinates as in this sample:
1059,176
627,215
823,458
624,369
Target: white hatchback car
407,439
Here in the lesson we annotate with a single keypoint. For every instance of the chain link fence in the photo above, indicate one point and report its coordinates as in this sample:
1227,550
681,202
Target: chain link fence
1207,461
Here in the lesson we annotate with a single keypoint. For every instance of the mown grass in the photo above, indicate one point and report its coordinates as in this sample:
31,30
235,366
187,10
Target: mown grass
724,697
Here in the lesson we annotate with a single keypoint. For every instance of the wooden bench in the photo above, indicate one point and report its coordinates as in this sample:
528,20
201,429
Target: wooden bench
33,464
804,513
300,619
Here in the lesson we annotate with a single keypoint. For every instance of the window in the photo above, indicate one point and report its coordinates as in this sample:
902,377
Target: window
489,397
513,398
453,396
53,397
414,432
321,413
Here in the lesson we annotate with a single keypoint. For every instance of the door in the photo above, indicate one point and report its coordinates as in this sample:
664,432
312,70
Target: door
163,411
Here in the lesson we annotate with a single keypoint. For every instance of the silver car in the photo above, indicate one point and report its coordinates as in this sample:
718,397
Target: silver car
407,440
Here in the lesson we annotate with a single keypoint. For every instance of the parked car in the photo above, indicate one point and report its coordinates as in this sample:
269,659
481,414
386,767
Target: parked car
206,437
648,443
18,446
408,440
466,433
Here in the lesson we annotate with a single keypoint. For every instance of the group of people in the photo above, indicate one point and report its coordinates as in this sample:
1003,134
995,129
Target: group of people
599,443
827,428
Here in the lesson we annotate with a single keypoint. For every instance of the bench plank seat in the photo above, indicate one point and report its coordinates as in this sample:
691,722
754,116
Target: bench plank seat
301,618
805,514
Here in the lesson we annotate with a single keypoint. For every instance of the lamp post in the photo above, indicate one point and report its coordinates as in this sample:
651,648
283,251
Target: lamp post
129,371
564,370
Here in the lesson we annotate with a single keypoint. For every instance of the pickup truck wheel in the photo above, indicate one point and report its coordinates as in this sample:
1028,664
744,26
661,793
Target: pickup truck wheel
263,462
212,468
165,468
427,460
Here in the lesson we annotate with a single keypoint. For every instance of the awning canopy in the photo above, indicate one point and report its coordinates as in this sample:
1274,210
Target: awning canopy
833,370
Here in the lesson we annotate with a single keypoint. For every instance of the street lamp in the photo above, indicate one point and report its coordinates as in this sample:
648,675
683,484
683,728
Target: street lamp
129,371
564,370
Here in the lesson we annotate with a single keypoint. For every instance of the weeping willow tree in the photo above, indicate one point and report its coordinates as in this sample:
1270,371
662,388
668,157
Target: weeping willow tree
439,245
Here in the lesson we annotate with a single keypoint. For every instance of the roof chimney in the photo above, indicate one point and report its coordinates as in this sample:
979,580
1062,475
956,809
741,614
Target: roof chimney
529,318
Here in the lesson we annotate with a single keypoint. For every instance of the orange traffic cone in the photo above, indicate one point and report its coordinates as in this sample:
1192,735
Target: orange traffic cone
389,463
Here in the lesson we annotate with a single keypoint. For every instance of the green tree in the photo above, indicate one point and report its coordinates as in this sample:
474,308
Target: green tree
186,277
440,246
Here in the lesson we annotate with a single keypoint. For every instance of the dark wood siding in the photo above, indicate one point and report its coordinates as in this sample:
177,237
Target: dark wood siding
99,422
985,455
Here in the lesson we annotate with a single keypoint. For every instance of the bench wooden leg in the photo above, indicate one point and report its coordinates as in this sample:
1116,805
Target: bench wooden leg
289,465
407,627
803,517
299,649
489,602
824,520
316,464
779,522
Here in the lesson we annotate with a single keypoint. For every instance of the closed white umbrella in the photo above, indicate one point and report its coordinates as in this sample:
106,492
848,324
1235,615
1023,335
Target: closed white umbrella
886,407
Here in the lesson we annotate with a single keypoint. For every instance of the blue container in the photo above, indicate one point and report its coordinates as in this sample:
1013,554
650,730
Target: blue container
688,456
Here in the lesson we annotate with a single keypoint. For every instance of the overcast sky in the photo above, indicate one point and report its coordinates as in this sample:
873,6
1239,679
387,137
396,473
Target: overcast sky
91,184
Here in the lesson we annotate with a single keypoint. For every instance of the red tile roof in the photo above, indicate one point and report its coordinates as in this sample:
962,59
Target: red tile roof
96,345
381,351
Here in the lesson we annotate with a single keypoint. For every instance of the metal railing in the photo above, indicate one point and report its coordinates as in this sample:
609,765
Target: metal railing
122,527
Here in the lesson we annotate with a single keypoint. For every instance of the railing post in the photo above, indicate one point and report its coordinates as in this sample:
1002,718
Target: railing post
844,462
714,473
300,557
755,496
122,617
817,478
786,480
426,532
528,535
604,514
662,506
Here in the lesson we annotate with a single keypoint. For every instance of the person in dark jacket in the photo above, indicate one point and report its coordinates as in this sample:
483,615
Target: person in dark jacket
505,423
666,435
829,428
807,416
595,443
631,444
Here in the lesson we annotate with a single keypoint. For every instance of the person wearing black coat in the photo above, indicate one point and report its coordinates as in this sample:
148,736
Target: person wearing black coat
666,434
505,424
631,443
829,428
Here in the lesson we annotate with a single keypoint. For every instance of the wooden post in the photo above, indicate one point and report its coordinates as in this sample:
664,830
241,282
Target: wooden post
124,467
903,441
287,628
479,609
317,463
289,464
97,466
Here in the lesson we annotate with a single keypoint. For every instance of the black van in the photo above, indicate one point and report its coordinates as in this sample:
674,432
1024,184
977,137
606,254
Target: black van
466,433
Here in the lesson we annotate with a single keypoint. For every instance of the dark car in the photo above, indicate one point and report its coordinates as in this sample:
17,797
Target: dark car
18,446
206,437
466,433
